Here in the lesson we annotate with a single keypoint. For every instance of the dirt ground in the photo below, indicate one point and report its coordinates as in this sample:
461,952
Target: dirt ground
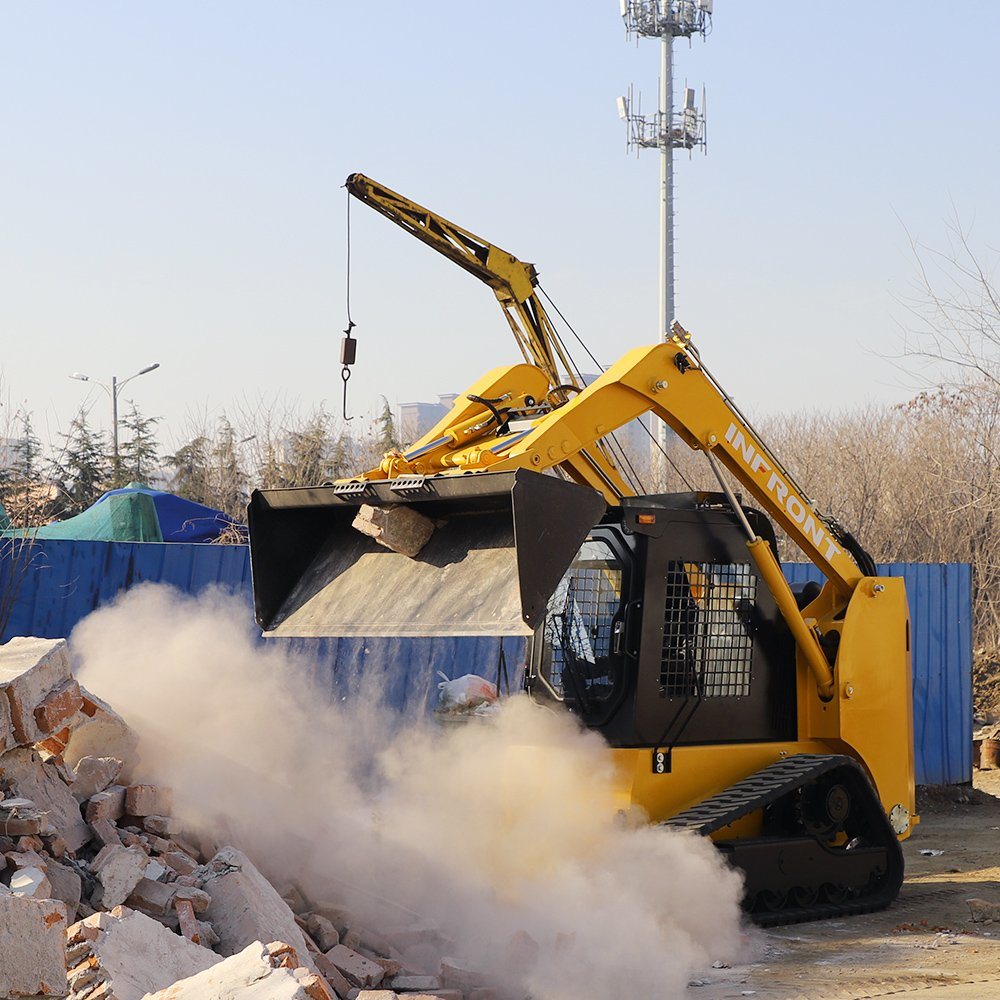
925,944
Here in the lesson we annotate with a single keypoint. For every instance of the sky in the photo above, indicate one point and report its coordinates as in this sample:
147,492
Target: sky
171,191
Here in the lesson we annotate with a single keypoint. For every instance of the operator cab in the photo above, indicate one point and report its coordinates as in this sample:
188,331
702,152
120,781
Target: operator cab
662,633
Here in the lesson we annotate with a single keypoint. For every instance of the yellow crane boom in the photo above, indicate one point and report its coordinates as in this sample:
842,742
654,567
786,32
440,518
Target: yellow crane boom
514,283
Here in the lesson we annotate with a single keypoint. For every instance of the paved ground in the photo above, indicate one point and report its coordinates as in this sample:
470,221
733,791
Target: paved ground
926,944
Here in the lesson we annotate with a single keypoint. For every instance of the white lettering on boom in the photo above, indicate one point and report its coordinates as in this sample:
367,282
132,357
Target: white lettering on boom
793,506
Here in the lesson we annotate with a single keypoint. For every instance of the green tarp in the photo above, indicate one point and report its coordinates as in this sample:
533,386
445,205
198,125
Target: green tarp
128,517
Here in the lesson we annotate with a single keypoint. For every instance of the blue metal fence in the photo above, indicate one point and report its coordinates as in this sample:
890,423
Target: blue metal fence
66,580
940,596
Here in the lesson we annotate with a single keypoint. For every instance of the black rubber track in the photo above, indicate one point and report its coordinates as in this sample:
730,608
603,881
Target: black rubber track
773,783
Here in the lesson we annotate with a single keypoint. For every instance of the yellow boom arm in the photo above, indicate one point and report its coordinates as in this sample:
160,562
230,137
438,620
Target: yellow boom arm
667,380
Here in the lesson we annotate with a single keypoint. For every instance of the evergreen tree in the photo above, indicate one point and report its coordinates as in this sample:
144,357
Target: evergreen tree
191,469
308,454
342,457
228,479
139,454
27,452
85,467
387,438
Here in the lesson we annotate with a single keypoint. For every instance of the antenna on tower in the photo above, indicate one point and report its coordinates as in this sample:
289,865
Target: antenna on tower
667,129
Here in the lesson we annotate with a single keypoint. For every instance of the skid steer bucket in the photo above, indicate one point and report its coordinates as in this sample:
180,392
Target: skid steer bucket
501,543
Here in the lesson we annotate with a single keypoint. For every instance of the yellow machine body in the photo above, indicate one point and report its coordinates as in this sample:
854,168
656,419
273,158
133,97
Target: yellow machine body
850,639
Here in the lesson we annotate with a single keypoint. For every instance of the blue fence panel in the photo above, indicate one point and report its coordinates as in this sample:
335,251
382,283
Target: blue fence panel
66,580
940,596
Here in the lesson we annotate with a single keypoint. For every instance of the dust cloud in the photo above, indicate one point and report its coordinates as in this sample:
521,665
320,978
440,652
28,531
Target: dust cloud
493,831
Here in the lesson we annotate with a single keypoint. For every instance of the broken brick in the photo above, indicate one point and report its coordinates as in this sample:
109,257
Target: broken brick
161,826
148,800
109,804
179,862
155,898
106,832
57,706
187,920
359,970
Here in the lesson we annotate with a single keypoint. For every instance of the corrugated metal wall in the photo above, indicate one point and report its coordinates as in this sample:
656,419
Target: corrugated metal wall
69,579
940,596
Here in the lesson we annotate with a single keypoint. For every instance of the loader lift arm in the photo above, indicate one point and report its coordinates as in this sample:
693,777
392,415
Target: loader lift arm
669,381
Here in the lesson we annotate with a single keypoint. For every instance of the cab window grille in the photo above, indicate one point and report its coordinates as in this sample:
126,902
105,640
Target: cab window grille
578,625
708,630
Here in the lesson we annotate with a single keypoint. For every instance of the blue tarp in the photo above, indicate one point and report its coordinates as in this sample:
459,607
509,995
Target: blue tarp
180,520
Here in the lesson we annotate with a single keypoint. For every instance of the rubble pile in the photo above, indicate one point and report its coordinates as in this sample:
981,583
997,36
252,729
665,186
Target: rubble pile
106,895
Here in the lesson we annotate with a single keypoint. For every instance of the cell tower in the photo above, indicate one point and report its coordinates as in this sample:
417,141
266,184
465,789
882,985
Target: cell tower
666,130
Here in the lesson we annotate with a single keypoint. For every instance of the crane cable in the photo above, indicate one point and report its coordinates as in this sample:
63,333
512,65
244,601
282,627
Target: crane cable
349,346
600,367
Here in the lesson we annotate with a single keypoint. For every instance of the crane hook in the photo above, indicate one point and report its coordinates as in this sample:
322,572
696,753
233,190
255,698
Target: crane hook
348,355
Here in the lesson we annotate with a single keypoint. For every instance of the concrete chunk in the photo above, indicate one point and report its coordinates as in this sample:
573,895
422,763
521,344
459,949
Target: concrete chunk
245,907
35,780
32,947
29,669
7,737
66,886
251,974
93,775
137,955
119,870
31,882
98,730
411,984
399,528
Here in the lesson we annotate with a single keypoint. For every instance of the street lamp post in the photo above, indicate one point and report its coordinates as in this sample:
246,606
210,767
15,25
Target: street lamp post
113,390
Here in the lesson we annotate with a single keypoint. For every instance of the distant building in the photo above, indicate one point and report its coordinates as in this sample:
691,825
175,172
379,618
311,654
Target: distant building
416,419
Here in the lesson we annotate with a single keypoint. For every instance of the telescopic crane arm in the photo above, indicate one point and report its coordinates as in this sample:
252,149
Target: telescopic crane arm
513,282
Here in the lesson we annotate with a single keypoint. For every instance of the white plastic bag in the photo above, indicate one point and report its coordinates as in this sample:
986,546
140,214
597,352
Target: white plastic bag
465,693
